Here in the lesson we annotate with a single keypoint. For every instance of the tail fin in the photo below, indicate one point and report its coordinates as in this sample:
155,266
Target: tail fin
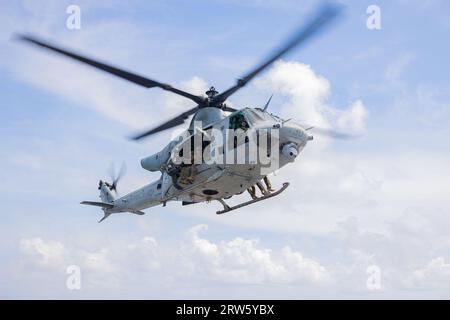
104,217
107,198
105,192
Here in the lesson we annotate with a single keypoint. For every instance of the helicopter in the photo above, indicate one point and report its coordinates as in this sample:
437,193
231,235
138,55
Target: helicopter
224,151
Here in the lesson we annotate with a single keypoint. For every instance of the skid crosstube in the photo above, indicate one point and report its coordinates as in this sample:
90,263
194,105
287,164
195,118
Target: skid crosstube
244,204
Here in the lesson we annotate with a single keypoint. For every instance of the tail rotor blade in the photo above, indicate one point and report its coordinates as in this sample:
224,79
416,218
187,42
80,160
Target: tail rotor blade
115,177
122,171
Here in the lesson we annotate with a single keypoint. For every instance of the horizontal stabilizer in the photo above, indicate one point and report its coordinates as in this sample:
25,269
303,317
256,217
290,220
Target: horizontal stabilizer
98,204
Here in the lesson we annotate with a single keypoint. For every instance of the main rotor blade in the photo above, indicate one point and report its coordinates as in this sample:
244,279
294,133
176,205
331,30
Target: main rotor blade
323,18
168,124
140,80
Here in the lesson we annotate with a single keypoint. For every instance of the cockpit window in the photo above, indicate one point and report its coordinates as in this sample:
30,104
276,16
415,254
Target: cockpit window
254,116
239,121
263,115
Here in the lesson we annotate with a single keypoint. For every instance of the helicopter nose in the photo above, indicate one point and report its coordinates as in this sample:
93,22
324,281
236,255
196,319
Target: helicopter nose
295,133
290,151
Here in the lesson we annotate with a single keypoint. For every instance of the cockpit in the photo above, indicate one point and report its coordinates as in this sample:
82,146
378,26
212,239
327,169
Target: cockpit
239,121
246,118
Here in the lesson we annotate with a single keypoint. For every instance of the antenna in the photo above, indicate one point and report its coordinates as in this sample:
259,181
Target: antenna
268,102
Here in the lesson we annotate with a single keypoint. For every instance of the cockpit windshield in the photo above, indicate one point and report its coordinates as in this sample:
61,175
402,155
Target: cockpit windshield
258,115
239,121
248,117
254,116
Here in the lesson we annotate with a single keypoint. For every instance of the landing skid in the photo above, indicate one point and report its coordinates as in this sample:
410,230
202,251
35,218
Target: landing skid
227,208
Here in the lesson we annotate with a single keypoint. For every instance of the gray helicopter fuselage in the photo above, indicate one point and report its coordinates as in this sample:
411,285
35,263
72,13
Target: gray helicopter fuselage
213,181
216,180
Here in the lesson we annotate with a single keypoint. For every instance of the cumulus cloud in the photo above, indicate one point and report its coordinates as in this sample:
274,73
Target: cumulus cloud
308,95
307,91
303,268
56,257
97,261
246,261
354,119
192,258
405,251
44,253
395,69
436,272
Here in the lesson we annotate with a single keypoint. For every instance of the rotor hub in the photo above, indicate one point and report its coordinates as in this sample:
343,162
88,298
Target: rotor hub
211,93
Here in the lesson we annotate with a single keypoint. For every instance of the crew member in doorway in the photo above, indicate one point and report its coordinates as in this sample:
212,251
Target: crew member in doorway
264,191
268,184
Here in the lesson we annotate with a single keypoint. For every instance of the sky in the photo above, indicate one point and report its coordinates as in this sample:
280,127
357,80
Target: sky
366,218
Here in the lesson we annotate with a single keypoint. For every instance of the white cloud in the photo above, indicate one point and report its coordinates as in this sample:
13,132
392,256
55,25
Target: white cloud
308,94
395,69
246,261
435,273
194,261
50,253
306,90
55,255
191,259
97,261
354,119
303,268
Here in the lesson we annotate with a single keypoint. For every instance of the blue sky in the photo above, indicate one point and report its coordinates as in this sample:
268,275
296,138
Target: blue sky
379,200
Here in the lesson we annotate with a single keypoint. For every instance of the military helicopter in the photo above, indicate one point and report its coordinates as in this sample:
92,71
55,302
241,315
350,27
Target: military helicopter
191,167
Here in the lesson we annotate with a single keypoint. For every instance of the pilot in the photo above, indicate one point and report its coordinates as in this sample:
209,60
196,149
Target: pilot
243,124
238,122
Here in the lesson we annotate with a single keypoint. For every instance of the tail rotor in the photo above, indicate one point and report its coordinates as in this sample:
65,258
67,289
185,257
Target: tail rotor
116,176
